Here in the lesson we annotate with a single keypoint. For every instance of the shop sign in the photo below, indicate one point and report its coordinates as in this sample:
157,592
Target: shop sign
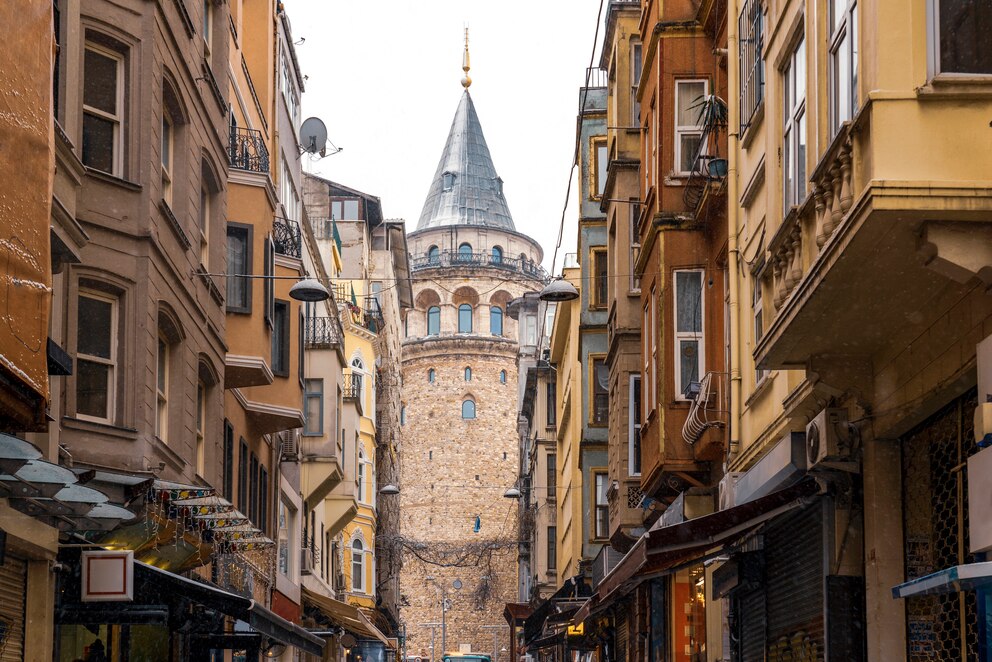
108,576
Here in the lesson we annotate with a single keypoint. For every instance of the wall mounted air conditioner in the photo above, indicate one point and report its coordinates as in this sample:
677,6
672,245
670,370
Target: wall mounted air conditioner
829,440
726,489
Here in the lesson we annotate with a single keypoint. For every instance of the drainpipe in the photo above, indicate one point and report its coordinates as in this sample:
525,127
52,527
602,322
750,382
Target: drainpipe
733,229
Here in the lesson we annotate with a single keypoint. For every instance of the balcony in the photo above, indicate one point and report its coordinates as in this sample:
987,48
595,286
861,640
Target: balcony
327,228
323,332
707,419
287,238
705,189
458,259
369,316
247,150
352,388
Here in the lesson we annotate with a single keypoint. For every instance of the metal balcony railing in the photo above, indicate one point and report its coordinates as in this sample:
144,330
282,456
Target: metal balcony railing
708,409
323,332
708,167
247,150
287,238
457,259
352,389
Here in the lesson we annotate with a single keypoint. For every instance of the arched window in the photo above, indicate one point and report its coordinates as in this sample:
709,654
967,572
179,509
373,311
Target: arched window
465,318
433,255
468,408
431,376
502,376
497,255
465,252
358,378
496,320
433,320
468,374
357,566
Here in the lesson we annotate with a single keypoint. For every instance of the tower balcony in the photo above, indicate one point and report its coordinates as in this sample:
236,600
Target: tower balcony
449,258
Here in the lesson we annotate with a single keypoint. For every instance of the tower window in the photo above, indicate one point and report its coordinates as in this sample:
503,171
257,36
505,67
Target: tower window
448,181
431,376
468,374
502,376
465,318
433,321
468,409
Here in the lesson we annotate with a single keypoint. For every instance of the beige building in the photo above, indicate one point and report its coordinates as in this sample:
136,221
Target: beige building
459,373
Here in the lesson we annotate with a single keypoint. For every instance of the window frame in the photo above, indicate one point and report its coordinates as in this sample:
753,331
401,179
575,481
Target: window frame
751,58
201,420
168,149
268,284
496,314
551,476
696,336
431,375
358,563
634,423
244,482
281,333
634,225
205,211
502,376
552,548
600,509
758,327
842,33
310,393
117,118
599,262
468,373
686,130
462,309
474,412
551,404
227,467
163,356
599,151
435,312
111,363
794,128
933,48
241,232
594,396
636,66
284,534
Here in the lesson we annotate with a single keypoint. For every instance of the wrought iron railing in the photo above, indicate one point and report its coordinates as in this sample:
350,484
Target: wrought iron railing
287,238
352,388
247,150
457,259
323,332
708,167
708,409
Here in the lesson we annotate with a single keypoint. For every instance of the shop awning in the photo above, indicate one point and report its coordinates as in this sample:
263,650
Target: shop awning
664,548
967,577
236,606
349,617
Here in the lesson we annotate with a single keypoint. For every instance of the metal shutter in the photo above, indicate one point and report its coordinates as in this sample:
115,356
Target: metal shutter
621,632
751,615
13,585
794,576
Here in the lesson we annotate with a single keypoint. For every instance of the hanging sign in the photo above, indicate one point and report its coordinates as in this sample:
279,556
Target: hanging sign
108,576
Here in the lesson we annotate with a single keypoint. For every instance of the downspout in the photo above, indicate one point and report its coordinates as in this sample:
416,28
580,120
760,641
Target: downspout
733,229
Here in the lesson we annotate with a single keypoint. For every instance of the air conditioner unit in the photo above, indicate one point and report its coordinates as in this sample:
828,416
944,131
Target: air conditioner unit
339,582
727,487
306,561
287,447
828,440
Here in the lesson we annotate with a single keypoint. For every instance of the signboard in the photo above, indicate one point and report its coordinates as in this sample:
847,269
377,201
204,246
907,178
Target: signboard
107,576
980,501
576,630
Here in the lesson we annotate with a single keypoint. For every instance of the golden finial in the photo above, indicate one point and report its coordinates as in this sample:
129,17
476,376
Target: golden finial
466,79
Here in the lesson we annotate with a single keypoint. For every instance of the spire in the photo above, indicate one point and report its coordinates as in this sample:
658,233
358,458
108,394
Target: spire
466,190
466,79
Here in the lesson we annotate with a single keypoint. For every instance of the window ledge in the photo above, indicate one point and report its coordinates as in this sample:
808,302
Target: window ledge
174,225
112,179
110,429
956,86
752,129
760,388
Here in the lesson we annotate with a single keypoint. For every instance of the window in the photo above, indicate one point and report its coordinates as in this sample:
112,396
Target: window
263,500
759,325
688,329
653,340
465,318
751,28
634,427
167,150
496,320
468,374
468,409
635,245
635,77
162,389
447,181
96,356
551,399
600,392
552,549
208,25
313,407
243,504
600,279
530,330
497,255
552,477
289,93
357,566
360,481
228,468
268,284
502,376
301,340
238,263
345,209
602,527
794,132
280,339
959,36
602,165
465,253
843,44
208,185
253,490
358,378
433,255
431,376
402,414
688,132
103,106
283,534
201,415
433,321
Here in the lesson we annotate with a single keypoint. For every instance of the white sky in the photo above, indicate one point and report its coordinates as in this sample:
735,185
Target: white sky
384,76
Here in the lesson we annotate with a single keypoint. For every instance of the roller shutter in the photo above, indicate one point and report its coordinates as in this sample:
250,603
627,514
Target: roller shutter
751,616
13,585
621,631
794,575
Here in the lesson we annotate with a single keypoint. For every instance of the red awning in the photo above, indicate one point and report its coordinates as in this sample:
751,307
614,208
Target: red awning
662,549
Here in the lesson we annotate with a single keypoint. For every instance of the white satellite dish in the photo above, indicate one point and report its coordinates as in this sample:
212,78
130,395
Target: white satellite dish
313,136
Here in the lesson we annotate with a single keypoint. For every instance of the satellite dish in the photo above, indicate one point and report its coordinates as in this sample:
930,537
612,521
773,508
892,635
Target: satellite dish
313,136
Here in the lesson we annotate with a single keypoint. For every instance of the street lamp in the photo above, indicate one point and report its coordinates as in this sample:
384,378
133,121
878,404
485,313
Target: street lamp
389,489
559,289
305,289
513,493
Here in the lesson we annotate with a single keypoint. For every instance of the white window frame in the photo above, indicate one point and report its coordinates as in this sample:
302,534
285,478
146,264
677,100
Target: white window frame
201,419
360,483
758,324
359,563
162,388
601,158
794,114
597,504
634,422
697,336
842,43
636,66
308,394
118,118
111,363
635,245
654,349
284,523
686,130
208,26
205,205
168,155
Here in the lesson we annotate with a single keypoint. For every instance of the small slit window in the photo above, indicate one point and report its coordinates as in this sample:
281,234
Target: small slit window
468,374
502,376
448,181
468,409
431,376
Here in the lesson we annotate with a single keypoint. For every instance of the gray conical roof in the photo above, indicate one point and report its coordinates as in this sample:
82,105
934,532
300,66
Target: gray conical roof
475,192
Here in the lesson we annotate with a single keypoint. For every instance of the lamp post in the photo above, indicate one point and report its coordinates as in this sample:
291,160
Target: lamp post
445,606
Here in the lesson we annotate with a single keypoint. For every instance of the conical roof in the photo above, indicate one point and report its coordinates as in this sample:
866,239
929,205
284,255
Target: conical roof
466,189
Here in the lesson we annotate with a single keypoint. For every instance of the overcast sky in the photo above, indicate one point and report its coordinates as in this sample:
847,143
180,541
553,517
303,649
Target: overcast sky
384,76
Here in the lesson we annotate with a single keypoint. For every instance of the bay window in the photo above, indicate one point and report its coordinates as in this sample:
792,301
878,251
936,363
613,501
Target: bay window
843,46
794,132
602,507
688,132
103,108
634,427
689,348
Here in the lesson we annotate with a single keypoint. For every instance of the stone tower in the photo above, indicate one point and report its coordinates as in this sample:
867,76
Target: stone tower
459,439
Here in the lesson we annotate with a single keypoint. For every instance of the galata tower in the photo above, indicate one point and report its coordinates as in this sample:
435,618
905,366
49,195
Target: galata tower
459,436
